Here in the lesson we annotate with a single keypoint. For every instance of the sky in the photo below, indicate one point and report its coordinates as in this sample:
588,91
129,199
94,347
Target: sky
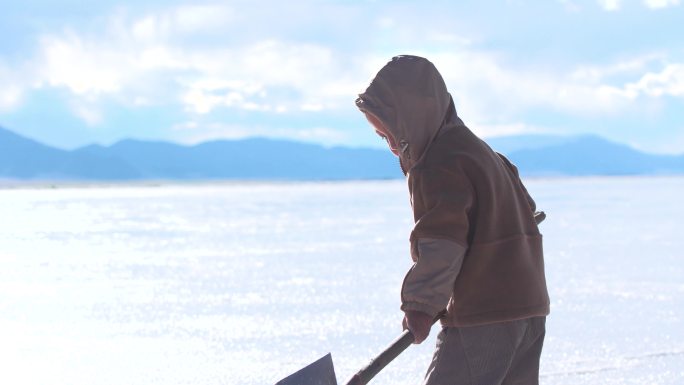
73,73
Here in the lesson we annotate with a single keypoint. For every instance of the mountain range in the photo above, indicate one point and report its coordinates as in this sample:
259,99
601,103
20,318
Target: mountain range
268,159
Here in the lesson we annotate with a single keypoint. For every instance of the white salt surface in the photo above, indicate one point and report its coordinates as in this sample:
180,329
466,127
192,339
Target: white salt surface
246,283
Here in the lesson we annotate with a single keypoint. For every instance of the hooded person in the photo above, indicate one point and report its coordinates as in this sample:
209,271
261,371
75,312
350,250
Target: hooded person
476,246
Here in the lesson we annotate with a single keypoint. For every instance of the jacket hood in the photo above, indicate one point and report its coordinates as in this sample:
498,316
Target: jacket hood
409,97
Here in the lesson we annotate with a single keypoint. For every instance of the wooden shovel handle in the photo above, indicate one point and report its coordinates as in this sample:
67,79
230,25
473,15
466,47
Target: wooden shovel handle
393,350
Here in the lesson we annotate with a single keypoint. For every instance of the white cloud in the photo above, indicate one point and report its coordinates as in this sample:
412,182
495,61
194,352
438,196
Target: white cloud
311,107
11,93
203,17
88,113
658,4
146,28
271,76
83,68
153,59
669,81
140,59
594,74
189,125
157,57
278,76
203,100
485,88
10,97
615,5
182,20
610,5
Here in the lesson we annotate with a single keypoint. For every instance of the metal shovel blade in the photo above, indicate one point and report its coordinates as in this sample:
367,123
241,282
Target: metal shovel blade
320,372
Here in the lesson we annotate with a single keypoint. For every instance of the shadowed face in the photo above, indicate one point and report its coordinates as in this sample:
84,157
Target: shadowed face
383,132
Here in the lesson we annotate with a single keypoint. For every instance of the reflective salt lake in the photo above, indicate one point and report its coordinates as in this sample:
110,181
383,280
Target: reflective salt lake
244,283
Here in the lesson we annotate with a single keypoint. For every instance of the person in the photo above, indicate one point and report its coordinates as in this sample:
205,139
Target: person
476,246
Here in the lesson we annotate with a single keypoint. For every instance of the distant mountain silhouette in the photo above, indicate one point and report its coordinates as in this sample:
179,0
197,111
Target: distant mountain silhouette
592,155
255,158
22,158
258,158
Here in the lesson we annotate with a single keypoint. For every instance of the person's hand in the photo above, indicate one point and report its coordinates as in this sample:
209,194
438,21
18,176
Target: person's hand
418,323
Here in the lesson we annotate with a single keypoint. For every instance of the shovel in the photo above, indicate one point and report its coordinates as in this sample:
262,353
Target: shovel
322,371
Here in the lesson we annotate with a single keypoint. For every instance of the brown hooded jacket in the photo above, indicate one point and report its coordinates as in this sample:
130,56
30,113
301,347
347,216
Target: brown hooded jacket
476,247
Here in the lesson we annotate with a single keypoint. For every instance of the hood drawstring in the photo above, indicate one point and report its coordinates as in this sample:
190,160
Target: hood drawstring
404,147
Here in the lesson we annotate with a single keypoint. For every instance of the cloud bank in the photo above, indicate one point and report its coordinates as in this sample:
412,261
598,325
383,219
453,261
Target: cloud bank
208,60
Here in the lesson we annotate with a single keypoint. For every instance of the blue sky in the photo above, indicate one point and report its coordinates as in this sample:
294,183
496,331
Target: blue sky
74,73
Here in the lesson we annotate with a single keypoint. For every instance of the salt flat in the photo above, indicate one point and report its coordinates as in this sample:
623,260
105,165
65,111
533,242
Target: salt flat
245,283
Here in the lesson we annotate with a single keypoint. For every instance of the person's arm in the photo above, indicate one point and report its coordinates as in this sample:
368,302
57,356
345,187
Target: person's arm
441,202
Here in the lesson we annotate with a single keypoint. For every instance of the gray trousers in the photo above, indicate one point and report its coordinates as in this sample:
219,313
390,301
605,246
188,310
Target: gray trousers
503,353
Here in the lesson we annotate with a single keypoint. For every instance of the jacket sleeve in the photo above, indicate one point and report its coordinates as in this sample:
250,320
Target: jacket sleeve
441,202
